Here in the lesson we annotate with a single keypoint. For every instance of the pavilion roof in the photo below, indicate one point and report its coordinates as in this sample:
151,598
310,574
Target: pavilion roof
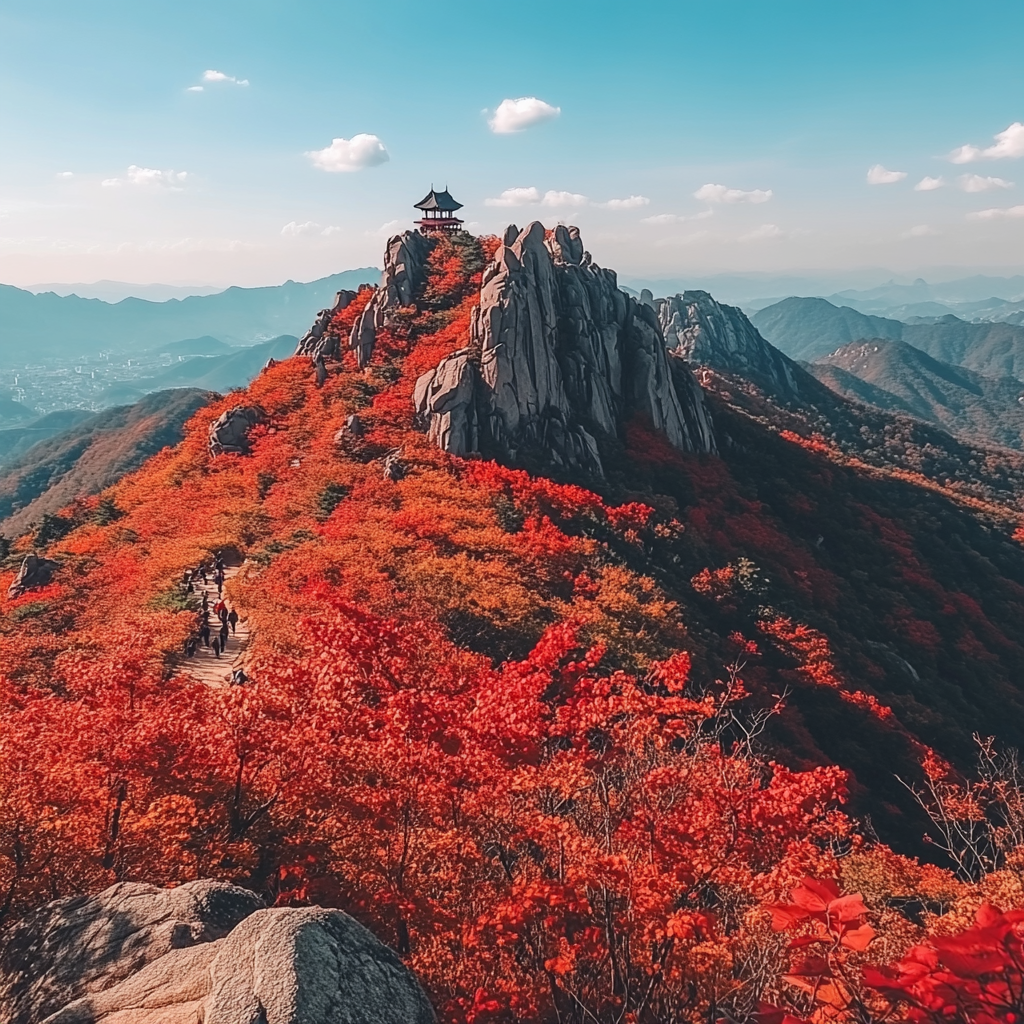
438,201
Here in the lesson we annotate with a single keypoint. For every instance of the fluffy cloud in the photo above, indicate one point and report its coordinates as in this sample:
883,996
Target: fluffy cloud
1008,145
557,199
878,175
353,154
219,76
65,174
927,184
516,197
629,203
995,214
722,194
293,229
765,231
149,177
195,88
518,115
979,183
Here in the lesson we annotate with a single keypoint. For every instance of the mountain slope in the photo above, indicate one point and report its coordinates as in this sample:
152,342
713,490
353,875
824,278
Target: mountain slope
91,455
14,441
895,376
49,324
234,369
505,716
808,329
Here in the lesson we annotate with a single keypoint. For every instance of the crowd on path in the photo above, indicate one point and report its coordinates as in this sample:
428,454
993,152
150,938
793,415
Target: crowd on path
220,636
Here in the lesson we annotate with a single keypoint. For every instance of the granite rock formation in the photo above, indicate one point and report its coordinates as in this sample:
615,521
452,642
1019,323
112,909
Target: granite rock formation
558,357
203,951
708,333
34,572
229,434
317,341
404,273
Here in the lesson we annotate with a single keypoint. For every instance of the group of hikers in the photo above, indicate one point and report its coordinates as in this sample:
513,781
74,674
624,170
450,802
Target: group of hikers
215,637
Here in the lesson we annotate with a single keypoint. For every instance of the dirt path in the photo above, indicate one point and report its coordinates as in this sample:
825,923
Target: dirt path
204,665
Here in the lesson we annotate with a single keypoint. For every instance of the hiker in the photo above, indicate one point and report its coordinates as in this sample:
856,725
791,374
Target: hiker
190,646
216,646
224,617
219,564
224,636
204,633
206,600
190,589
219,607
202,573
233,619
238,677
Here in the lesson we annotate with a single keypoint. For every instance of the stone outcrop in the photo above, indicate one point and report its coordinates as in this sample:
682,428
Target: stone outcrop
135,954
229,434
708,333
317,341
405,262
558,357
34,572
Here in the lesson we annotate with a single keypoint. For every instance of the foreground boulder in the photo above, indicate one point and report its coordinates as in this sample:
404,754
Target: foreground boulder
205,951
34,572
229,434
559,356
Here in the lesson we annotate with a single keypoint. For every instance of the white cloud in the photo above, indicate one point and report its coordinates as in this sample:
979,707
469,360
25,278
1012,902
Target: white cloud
331,229
195,88
66,174
518,115
765,231
1008,145
979,183
629,203
675,218
920,231
878,175
293,229
927,184
516,197
219,76
353,154
556,199
149,177
993,214
721,194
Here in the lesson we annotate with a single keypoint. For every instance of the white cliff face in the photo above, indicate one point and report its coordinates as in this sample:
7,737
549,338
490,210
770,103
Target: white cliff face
708,333
558,356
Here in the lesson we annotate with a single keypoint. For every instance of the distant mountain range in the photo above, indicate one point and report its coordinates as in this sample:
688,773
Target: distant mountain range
53,325
809,328
896,377
115,291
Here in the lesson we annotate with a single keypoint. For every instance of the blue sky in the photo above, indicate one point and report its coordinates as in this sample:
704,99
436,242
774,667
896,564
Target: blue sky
654,100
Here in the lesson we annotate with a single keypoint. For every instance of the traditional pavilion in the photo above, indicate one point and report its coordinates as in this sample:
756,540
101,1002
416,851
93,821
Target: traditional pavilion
438,213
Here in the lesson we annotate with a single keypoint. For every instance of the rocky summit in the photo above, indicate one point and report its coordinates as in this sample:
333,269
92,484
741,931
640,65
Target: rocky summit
709,333
559,358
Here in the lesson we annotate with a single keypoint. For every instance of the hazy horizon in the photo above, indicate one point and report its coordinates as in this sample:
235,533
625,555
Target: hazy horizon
203,148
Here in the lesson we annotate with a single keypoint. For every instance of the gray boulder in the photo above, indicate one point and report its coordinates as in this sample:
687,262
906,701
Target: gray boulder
229,433
558,357
445,402
708,333
75,947
405,263
317,341
203,952
34,572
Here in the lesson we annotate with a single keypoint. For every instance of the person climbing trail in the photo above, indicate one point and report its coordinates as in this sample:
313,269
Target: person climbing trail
233,620
220,635
204,634
224,636
215,643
